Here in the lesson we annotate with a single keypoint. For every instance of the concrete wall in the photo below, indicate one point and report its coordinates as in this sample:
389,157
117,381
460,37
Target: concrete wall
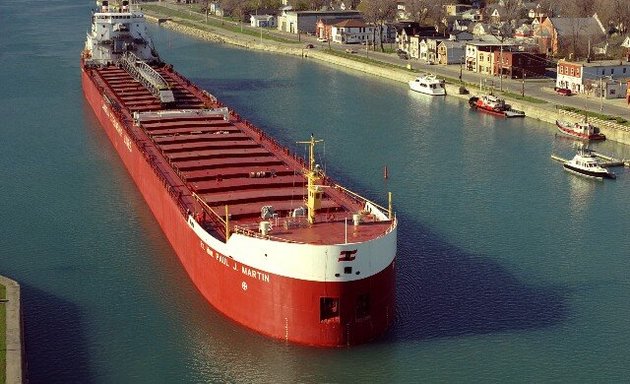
14,368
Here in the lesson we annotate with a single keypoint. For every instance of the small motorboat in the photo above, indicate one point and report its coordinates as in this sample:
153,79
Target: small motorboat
428,84
584,163
494,105
582,130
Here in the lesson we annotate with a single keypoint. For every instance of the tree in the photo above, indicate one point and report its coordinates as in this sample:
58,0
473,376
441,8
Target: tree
307,5
426,11
378,12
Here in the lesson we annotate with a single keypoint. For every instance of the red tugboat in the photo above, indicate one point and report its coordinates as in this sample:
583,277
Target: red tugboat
266,237
494,105
580,130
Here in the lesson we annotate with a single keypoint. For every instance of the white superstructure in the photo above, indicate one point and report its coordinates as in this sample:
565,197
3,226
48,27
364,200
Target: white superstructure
428,84
116,30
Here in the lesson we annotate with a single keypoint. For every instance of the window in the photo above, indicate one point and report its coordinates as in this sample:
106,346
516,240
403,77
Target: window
560,69
329,309
612,70
572,71
363,306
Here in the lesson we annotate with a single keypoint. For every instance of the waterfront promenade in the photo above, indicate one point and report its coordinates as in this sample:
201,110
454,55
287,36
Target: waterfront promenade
540,102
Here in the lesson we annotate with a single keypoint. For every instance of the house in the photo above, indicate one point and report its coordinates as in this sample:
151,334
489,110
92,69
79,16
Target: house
461,24
606,79
479,55
406,30
306,21
537,12
523,31
216,9
558,34
519,64
262,21
481,29
473,15
425,48
451,52
626,44
456,9
352,31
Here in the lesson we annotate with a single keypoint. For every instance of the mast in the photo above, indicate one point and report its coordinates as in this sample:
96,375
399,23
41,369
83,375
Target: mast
313,202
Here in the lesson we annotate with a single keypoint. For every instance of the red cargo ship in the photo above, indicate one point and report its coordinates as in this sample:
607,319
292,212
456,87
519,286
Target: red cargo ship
266,237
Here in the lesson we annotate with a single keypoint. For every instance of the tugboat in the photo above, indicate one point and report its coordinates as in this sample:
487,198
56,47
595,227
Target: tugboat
584,163
583,130
494,105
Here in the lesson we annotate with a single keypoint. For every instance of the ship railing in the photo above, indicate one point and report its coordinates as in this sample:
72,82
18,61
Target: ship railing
379,211
251,233
213,216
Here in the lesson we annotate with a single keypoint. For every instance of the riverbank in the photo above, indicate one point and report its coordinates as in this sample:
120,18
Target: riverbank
543,110
10,332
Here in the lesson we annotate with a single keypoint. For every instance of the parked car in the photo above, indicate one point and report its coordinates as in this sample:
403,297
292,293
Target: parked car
563,91
349,50
309,46
403,55
322,39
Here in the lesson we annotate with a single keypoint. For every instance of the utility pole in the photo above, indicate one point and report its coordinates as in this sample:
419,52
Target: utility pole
601,95
501,65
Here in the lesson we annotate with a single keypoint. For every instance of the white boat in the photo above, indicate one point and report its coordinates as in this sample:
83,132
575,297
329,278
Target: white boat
428,84
584,163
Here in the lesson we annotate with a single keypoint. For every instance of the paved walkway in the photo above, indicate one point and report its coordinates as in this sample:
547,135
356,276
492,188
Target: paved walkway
14,331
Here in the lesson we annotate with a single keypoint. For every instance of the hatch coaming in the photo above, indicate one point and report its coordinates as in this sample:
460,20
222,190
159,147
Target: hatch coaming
233,168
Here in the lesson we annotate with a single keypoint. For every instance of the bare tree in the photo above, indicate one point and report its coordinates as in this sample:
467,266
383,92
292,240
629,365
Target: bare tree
308,5
615,13
575,8
426,11
378,12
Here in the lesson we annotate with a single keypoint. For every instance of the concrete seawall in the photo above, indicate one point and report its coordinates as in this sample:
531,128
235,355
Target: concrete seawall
14,338
546,112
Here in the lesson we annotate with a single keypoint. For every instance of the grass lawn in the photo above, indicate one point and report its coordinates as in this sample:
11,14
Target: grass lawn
198,20
3,338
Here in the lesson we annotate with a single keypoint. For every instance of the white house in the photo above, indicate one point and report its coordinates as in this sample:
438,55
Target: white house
262,21
352,31
608,79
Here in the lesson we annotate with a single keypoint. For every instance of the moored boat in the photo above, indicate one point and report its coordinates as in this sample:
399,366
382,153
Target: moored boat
584,163
267,238
580,130
428,84
494,105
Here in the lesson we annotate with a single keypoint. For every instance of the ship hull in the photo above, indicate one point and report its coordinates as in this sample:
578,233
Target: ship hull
277,306
568,131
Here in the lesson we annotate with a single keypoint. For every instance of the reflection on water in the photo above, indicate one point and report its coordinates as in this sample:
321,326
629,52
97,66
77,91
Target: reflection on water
582,191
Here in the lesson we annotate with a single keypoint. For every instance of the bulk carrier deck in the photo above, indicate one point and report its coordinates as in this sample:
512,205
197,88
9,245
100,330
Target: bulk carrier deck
224,161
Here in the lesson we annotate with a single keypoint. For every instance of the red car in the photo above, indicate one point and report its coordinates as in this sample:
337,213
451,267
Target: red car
563,91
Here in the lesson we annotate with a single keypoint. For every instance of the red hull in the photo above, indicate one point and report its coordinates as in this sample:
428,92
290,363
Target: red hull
570,132
280,307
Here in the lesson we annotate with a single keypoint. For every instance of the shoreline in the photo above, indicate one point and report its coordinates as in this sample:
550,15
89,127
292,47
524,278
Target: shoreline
14,335
547,112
